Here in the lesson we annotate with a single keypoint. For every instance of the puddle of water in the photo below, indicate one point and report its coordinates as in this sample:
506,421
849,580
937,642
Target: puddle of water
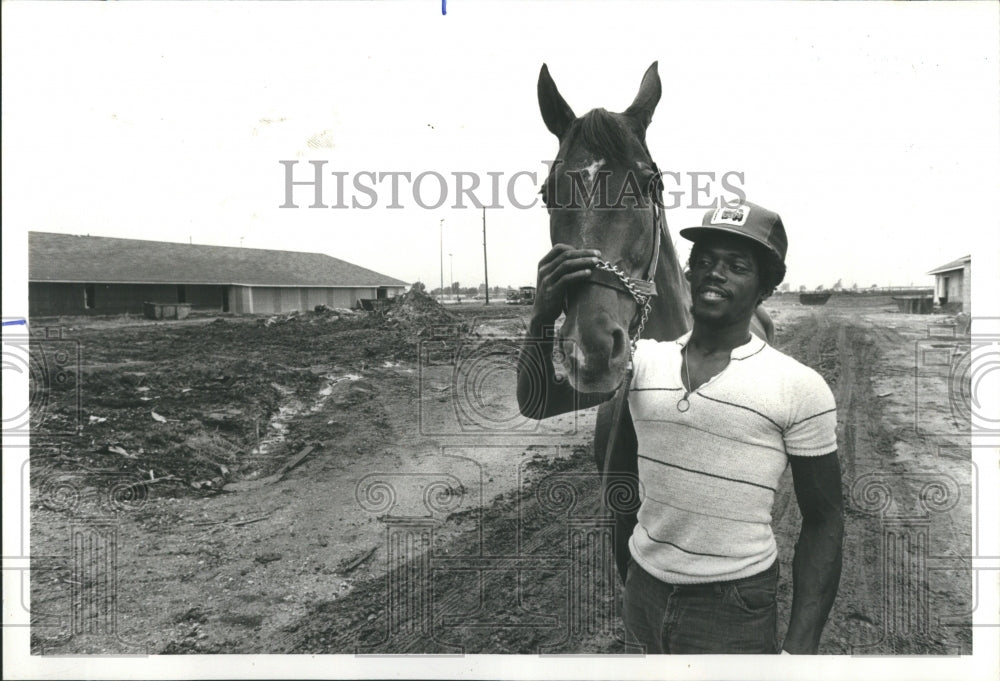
279,424
327,389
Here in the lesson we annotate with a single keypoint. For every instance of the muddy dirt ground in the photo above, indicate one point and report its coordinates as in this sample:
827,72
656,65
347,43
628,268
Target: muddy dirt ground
336,483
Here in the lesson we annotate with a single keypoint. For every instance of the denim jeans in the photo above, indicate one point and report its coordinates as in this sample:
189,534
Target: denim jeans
739,616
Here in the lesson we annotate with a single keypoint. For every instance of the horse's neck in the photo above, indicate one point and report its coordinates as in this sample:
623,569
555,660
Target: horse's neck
670,316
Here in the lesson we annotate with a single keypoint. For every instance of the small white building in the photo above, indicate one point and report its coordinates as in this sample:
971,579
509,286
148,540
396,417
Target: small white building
953,285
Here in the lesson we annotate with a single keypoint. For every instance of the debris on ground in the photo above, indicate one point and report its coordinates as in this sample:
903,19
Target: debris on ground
323,309
117,449
231,398
320,314
262,572
353,564
270,557
246,485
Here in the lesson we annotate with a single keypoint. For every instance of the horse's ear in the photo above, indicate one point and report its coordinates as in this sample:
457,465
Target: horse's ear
555,111
645,102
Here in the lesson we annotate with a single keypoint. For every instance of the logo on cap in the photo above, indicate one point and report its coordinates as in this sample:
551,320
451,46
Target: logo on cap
731,216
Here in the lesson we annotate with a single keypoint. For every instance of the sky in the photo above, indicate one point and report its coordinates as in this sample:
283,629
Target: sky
871,128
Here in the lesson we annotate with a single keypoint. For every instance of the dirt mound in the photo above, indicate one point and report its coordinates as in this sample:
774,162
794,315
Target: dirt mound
415,306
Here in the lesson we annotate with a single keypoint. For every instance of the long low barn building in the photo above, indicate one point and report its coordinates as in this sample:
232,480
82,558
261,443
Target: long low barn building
69,275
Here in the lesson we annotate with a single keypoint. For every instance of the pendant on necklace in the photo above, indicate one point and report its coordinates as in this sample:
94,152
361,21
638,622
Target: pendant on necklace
683,405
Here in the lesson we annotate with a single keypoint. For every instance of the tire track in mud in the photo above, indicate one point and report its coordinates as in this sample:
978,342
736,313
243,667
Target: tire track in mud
853,619
889,602
844,354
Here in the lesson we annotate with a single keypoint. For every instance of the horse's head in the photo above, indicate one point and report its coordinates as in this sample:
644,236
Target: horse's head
599,194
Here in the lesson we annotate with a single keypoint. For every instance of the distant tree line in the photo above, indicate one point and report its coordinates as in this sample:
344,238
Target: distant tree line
456,289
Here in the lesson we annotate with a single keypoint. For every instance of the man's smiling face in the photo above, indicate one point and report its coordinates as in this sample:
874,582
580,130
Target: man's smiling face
725,280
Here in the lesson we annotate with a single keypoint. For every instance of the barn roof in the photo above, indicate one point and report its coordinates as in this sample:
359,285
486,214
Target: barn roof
953,265
105,260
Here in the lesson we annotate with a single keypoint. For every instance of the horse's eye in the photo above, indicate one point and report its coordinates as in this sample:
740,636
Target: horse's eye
651,182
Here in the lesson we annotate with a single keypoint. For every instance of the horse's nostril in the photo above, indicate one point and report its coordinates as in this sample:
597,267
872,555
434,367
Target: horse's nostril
618,343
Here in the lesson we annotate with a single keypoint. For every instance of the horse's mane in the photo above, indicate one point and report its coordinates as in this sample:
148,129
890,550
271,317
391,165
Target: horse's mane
605,134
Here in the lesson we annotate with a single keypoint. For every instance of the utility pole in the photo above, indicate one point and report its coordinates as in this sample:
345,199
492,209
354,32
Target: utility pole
441,246
486,269
451,274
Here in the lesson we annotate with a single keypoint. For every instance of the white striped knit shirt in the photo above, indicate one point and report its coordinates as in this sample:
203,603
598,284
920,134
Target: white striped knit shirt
708,475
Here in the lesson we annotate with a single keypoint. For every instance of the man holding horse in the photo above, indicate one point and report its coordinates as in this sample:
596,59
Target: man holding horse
718,414
697,420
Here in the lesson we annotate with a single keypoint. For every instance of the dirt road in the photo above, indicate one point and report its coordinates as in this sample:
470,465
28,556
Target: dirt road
428,517
907,481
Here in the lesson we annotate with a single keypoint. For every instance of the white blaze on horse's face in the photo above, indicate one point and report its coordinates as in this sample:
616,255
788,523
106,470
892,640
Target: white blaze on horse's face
590,172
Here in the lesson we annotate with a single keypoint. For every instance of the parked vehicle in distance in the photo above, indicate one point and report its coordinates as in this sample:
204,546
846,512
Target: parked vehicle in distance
522,296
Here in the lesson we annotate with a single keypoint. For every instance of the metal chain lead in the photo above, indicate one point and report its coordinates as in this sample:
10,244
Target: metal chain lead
640,298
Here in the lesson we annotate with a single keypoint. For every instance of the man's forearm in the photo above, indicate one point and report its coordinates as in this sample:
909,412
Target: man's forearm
535,375
815,579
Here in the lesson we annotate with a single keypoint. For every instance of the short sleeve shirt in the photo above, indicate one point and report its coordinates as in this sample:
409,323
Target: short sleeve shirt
708,474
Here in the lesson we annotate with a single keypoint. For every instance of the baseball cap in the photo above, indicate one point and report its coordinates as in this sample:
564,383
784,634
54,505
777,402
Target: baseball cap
747,220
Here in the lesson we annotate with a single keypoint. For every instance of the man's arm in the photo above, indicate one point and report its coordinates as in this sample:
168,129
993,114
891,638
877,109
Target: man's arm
539,394
818,553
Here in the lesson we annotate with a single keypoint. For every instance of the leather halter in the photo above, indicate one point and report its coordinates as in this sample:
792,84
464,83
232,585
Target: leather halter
641,290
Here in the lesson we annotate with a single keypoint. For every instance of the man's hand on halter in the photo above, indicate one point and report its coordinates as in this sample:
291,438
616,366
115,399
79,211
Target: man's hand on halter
540,394
561,268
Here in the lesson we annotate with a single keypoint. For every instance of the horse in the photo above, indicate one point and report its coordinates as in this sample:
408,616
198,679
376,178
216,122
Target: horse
638,288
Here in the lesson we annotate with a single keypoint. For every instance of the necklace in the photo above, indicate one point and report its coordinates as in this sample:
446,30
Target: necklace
683,404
